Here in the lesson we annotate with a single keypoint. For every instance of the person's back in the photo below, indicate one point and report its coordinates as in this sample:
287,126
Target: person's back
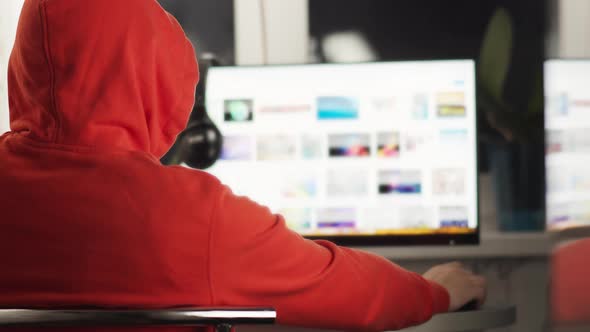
81,227
89,218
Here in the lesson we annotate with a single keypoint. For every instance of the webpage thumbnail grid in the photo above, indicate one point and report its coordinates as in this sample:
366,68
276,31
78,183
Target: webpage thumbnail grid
363,149
567,150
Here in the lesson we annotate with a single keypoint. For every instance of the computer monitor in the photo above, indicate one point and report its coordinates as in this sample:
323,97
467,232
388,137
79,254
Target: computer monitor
567,128
360,154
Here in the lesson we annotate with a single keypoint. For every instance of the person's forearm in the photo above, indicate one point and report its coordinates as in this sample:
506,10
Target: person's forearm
256,260
380,294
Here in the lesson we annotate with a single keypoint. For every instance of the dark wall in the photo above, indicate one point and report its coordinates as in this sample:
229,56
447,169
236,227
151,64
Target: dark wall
434,29
424,28
209,24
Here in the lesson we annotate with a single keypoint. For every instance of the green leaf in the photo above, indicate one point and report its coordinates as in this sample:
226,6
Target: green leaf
496,51
537,100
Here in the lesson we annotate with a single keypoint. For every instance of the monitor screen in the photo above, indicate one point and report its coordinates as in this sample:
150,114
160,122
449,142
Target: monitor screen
369,153
567,129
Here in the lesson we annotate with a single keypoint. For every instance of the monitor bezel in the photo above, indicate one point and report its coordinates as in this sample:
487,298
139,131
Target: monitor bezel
402,240
371,240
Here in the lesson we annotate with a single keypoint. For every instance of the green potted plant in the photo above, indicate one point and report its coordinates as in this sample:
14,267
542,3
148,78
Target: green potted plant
511,132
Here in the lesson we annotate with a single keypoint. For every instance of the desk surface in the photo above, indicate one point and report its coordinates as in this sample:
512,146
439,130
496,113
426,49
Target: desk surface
493,245
477,320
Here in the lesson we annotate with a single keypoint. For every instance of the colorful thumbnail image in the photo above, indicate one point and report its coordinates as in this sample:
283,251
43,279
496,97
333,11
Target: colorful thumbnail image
420,107
276,147
571,140
349,145
336,220
453,137
337,108
558,215
297,219
388,144
238,110
569,214
400,182
454,217
312,146
451,104
449,181
557,105
347,182
299,185
554,141
237,148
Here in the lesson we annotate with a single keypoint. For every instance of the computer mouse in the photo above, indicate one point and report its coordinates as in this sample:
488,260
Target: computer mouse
469,306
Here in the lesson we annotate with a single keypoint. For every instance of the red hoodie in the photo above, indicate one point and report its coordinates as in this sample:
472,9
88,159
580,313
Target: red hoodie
98,91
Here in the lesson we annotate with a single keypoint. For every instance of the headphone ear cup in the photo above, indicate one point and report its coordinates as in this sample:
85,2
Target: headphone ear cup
201,143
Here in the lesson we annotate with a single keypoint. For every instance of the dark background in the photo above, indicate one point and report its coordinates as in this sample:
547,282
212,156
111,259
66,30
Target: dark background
208,23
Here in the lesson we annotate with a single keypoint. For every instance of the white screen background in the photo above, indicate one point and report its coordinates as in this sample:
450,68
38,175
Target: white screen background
278,140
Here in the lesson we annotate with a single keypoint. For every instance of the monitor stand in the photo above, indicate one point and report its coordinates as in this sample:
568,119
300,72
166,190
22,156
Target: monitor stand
469,321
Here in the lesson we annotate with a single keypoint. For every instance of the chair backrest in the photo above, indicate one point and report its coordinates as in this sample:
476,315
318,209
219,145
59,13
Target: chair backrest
570,286
223,319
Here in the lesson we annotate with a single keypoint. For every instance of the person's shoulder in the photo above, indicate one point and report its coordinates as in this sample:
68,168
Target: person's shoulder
177,176
193,174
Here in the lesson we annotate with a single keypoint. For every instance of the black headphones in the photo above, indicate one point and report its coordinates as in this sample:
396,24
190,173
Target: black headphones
199,145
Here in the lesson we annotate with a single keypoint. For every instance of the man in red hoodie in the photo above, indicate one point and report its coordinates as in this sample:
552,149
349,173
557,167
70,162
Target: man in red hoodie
98,91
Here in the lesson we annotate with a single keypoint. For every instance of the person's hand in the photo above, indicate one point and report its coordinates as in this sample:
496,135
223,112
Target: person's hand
463,286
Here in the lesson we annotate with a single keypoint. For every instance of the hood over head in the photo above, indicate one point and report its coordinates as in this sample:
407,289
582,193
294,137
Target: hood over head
111,74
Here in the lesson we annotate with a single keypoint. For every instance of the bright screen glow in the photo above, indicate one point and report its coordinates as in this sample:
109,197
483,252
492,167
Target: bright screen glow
356,149
567,128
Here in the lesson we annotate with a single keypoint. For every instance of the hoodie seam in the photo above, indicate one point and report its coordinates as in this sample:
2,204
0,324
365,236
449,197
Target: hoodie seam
48,58
212,223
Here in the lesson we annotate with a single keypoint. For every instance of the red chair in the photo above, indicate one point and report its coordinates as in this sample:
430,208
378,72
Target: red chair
570,285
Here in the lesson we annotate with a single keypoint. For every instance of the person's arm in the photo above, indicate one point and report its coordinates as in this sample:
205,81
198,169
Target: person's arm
257,261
